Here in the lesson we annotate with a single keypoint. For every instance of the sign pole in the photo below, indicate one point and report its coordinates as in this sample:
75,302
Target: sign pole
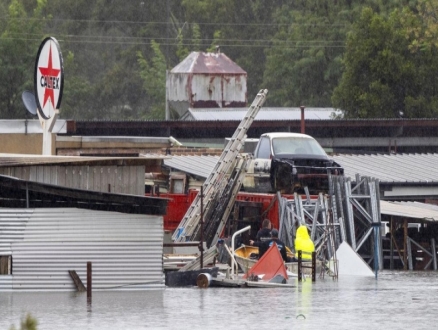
47,126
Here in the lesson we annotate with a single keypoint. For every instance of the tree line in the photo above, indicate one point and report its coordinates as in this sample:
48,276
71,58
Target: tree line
370,58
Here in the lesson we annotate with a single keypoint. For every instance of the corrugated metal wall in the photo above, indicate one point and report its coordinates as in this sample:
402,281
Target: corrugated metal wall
125,249
115,179
220,88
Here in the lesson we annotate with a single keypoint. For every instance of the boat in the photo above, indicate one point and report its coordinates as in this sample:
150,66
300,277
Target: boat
246,256
268,271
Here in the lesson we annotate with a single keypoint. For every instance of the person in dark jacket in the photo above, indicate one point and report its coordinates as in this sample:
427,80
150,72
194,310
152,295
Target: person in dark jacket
265,245
265,232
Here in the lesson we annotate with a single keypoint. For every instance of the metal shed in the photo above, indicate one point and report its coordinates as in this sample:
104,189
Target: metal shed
124,175
40,243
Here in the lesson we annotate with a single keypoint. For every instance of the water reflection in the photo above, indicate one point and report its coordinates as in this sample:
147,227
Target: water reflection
303,296
394,301
89,304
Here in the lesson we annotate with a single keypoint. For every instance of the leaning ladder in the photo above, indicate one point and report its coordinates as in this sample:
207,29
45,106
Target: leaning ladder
223,168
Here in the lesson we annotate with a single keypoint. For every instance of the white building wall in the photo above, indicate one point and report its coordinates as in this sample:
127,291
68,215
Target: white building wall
206,88
235,89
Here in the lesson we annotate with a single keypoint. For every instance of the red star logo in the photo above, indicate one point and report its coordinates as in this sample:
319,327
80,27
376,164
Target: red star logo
49,75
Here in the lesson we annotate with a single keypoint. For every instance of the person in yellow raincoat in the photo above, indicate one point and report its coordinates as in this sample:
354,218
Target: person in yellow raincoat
304,243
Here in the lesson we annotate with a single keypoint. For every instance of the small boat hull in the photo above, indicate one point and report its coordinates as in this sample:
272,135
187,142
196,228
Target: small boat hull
262,284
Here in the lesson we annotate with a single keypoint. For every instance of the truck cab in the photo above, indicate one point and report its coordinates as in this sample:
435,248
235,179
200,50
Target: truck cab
289,162
288,145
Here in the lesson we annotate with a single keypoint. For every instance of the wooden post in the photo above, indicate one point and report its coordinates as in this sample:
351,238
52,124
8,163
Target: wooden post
391,244
314,266
201,243
376,227
27,195
89,284
405,245
303,125
300,277
77,281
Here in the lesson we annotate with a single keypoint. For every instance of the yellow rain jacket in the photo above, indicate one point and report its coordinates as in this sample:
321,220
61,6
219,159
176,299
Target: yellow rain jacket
304,243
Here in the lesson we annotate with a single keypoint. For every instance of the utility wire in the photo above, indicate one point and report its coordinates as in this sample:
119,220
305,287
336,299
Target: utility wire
127,40
165,23
274,44
100,37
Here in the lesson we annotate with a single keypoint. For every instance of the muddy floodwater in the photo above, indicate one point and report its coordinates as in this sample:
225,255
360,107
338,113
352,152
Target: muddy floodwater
396,300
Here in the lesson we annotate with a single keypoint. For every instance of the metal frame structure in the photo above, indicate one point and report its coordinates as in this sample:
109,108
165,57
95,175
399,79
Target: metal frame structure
347,213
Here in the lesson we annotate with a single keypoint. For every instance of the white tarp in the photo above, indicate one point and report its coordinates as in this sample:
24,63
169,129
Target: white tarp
350,262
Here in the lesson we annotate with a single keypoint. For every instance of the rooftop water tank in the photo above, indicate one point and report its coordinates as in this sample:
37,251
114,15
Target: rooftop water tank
205,80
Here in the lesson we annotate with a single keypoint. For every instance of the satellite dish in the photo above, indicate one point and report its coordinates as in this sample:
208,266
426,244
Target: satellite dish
29,102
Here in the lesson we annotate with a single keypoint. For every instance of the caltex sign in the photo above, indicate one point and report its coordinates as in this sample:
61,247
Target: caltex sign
49,77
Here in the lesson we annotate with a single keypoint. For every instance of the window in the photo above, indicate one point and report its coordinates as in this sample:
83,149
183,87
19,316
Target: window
177,183
264,150
297,146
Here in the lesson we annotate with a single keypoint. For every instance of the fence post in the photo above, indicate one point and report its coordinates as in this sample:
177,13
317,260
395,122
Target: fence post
89,280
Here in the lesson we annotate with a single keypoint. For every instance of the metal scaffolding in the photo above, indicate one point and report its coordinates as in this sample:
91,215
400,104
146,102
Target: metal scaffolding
348,213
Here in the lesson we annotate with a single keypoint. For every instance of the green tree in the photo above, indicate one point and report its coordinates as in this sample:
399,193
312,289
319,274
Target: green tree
425,34
383,76
304,63
293,48
102,80
19,40
153,74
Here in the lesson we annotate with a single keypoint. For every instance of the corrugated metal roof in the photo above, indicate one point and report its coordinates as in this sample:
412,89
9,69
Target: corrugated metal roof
410,210
17,193
210,63
125,249
265,113
400,168
22,159
196,165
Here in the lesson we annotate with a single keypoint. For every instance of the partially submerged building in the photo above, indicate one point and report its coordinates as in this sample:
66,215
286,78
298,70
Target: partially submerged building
58,213
409,221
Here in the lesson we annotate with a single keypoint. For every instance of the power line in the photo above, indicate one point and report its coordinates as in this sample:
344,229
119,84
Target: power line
99,37
222,43
104,39
171,23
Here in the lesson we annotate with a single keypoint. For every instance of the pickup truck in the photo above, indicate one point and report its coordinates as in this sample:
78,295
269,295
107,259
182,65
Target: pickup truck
289,162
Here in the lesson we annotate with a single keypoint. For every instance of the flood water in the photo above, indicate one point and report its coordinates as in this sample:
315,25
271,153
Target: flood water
396,300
